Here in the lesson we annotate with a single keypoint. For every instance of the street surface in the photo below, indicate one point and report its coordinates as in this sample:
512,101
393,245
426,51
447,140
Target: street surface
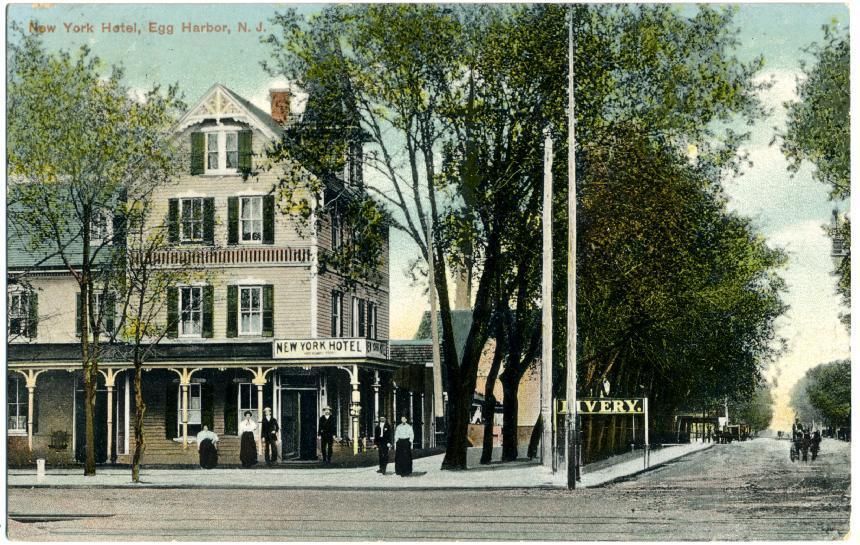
741,491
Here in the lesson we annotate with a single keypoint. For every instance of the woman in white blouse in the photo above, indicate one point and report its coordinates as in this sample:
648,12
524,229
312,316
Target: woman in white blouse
248,448
404,436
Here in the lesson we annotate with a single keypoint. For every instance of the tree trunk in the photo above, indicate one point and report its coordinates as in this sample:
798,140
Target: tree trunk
510,412
139,411
534,441
489,411
90,382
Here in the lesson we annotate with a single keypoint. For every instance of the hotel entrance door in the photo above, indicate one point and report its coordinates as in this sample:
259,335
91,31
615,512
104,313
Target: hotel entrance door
299,424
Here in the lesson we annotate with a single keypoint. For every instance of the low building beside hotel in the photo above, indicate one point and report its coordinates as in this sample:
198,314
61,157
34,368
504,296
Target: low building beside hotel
262,327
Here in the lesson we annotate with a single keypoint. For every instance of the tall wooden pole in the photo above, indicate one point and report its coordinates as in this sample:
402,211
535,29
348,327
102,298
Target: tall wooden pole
438,405
546,310
572,455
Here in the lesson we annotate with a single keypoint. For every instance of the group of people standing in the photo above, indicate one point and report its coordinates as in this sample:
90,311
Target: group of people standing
403,438
804,442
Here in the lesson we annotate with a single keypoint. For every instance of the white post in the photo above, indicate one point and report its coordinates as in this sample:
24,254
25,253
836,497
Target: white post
126,410
31,397
570,386
376,386
647,441
394,416
184,388
109,420
434,323
546,310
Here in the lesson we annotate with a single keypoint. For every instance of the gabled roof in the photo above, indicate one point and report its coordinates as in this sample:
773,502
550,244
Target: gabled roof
220,102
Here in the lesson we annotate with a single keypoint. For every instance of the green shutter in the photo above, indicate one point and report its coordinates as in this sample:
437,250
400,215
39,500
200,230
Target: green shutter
78,314
109,314
231,408
207,402
208,298
245,151
268,311
32,314
171,427
172,312
269,219
173,221
232,311
198,154
233,220
209,221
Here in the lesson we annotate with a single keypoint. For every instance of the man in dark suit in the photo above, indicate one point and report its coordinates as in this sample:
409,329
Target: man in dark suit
325,430
382,439
270,436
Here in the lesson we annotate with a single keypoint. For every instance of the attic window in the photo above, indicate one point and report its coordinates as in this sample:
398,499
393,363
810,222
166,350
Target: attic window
221,150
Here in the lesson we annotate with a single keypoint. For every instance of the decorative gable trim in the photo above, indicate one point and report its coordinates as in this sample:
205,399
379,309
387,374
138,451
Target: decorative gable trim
220,103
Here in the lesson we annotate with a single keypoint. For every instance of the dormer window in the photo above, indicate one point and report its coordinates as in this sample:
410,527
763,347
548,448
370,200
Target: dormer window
220,150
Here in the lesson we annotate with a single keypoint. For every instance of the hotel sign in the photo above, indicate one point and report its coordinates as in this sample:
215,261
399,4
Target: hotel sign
318,349
604,406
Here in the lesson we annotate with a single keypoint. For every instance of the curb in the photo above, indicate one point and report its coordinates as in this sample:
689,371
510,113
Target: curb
153,486
629,476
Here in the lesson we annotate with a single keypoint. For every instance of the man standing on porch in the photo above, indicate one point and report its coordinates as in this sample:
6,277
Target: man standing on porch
270,436
325,430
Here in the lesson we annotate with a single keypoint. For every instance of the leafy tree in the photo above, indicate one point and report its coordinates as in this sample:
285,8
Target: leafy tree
818,131
755,410
78,145
472,89
829,391
799,401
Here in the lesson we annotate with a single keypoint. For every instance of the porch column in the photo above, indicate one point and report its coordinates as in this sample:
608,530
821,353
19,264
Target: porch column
110,382
184,401
394,416
184,384
30,376
259,381
355,410
376,386
31,397
411,403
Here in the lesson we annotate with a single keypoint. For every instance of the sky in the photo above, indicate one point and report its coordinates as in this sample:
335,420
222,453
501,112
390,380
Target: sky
790,211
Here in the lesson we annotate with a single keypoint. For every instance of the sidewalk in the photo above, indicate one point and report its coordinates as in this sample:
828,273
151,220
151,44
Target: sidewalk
427,475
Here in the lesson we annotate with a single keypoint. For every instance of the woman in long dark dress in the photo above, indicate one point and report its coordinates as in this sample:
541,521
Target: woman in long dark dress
207,446
248,445
403,438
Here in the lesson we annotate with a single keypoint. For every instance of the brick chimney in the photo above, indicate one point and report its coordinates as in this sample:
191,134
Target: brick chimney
280,102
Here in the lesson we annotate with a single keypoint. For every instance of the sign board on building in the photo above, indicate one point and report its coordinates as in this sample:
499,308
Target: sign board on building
605,406
345,348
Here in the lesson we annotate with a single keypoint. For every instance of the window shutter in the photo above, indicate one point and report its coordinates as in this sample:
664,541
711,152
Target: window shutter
173,221
172,312
198,154
208,298
170,411
109,314
231,409
33,314
362,318
119,221
269,219
78,314
268,311
233,220
209,221
245,151
207,405
232,311
334,314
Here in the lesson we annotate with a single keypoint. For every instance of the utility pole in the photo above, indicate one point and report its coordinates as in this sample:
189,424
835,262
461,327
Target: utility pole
546,310
572,454
438,406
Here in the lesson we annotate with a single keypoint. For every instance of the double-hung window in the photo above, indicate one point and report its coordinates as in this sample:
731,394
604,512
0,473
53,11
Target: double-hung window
371,320
336,230
250,310
336,314
191,305
358,317
19,314
191,224
16,404
251,219
222,152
